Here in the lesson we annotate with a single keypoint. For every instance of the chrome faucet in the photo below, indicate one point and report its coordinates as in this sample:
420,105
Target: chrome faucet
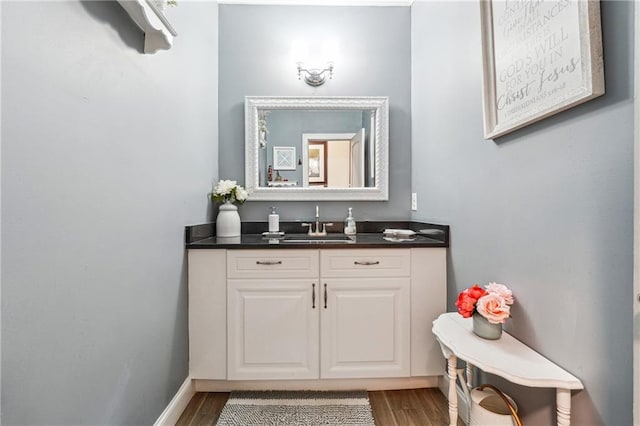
317,232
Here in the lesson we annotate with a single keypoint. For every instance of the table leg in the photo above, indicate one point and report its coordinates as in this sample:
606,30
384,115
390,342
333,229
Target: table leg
453,393
563,406
469,375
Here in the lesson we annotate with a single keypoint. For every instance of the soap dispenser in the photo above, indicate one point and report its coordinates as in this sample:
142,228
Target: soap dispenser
350,224
274,221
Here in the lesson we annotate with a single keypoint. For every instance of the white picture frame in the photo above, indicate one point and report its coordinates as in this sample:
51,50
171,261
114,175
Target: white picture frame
539,58
284,158
379,108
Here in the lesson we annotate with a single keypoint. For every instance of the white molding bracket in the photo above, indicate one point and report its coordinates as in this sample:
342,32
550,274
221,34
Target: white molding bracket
158,31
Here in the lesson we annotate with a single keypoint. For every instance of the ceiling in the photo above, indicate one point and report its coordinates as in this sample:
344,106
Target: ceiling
322,2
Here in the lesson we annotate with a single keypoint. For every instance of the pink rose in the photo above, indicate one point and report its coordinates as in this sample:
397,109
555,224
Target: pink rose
494,308
502,291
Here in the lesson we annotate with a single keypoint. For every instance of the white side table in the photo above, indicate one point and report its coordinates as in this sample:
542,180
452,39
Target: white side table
505,357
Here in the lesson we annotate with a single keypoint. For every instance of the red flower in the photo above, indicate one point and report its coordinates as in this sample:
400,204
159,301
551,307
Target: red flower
476,291
467,300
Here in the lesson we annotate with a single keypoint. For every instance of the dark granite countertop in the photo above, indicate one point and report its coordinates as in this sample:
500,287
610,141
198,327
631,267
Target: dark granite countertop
369,235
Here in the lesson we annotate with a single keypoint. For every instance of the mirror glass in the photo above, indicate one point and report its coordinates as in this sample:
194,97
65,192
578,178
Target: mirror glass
316,148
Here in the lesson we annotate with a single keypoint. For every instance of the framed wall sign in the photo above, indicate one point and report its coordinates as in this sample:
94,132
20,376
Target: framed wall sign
539,58
284,157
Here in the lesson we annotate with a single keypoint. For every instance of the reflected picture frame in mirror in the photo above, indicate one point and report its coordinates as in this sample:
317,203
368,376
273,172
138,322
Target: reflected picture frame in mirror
315,170
377,160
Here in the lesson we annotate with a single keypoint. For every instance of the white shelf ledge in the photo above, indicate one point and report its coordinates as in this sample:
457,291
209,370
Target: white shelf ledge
158,31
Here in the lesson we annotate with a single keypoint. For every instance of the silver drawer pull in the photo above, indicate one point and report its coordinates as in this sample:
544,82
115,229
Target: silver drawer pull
268,262
366,262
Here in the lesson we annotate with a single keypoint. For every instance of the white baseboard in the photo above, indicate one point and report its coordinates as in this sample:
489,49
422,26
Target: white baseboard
323,384
443,385
172,413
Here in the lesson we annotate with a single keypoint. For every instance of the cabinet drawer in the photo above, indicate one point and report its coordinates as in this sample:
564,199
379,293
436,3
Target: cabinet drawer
272,263
365,263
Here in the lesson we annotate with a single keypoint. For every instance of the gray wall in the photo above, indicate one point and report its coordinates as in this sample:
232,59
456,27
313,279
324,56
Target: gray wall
106,154
547,210
255,59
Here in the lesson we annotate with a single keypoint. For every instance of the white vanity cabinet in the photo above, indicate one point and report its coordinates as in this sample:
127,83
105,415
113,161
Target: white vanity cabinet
272,318
280,314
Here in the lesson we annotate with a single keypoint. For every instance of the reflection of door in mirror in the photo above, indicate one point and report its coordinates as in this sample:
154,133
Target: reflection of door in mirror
338,164
334,160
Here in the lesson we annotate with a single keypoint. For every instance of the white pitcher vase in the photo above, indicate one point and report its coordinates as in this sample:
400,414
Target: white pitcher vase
228,221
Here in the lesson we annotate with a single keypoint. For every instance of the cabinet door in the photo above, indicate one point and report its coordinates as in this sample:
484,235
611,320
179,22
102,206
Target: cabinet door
365,328
273,329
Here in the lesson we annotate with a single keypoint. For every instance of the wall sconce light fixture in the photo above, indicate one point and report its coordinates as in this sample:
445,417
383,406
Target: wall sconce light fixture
314,76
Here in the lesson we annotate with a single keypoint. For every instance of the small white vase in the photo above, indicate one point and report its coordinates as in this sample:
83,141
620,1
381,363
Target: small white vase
228,221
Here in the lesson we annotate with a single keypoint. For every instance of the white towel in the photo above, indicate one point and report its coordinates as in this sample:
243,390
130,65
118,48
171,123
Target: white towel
399,232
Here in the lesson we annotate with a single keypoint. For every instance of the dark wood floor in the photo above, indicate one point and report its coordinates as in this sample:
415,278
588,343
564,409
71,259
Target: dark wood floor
413,407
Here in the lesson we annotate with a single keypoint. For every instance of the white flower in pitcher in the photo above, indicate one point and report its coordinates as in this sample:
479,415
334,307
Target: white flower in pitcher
228,191
241,194
225,187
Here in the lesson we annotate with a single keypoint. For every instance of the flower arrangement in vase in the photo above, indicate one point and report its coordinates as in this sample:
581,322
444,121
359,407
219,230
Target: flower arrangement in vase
228,191
489,306
230,194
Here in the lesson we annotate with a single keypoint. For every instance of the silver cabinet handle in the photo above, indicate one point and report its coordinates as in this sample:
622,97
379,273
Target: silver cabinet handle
366,263
268,262
313,295
325,295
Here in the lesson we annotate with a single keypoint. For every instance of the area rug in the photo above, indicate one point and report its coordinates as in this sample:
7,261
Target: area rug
297,409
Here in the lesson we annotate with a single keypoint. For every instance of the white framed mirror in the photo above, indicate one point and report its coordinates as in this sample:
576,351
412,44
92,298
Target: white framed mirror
341,146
